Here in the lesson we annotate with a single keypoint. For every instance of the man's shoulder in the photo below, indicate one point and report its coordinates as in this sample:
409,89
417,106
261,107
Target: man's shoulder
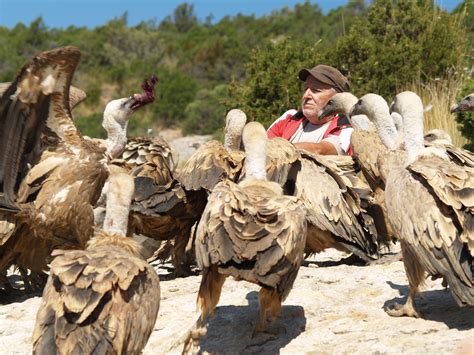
287,115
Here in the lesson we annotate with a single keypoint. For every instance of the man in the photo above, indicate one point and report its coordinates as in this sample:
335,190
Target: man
329,135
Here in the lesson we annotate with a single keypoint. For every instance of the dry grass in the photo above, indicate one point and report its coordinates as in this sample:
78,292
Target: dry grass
441,95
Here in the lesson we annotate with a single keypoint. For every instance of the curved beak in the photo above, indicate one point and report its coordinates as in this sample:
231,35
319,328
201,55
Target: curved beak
455,108
326,111
354,111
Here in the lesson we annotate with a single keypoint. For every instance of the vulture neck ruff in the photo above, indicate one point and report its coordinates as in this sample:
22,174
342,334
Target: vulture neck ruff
255,143
120,191
235,122
410,107
379,114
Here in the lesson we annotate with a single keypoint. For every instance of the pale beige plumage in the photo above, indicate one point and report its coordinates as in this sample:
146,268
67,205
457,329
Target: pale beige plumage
251,231
368,149
104,299
430,202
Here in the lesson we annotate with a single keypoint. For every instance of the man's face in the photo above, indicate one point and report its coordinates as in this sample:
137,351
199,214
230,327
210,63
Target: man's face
315,96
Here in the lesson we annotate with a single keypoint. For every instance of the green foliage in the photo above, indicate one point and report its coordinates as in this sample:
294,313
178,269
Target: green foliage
91,125
174,92
385,46
206,114
466,119
272,86
400,42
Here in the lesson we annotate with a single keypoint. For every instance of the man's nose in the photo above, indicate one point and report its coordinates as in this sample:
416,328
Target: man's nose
307,93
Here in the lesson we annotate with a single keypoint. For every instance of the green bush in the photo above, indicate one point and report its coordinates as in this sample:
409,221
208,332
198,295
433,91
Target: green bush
272,85
91,125
206,114
466,119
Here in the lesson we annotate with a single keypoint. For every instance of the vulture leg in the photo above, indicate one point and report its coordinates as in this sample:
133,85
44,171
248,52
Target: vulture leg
210,290
270,304
415,274
208,297
179,259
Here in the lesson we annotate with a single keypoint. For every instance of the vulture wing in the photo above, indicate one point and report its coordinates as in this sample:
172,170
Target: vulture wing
76,95
96,301
151,157
210,164
457,155
332,196
432,229
33,102
453,186
253,234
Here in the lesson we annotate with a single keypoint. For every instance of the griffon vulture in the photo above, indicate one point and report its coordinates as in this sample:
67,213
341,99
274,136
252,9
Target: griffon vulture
50,176
430,203
104,299
250,231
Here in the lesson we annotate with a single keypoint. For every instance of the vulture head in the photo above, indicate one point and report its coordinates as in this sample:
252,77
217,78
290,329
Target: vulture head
340,103
376,109
117,113
438,135
466,104
119,110
234,124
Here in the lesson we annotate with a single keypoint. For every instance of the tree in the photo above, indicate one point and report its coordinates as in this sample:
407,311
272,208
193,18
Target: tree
400,42
271,85
206,114
175,91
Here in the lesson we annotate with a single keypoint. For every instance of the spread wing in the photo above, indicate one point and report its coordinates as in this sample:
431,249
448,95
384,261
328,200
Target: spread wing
76,95
33,102
330,195
210,164
97,300
431,229
253,234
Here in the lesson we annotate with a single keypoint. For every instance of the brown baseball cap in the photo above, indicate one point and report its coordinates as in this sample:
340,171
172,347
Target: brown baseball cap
327,75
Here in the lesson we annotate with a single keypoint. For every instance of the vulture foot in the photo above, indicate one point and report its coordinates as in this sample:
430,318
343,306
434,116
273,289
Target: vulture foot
387,259
191,344
405,310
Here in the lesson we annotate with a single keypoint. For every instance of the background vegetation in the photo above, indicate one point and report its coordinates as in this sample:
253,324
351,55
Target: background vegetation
205,68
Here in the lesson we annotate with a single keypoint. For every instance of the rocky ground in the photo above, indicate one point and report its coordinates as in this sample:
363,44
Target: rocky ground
334,308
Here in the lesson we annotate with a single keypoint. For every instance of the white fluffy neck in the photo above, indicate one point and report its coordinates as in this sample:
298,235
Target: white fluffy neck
360,122
119,197
116,136
412,115
255,159
232,139
385,127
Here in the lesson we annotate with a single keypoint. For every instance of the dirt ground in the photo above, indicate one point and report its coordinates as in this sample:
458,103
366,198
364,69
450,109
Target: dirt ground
334,308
